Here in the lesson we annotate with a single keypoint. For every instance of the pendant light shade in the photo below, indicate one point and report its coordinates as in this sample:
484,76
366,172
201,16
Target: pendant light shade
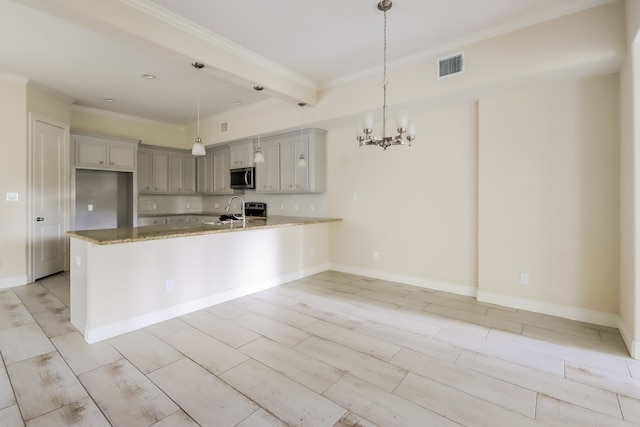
198,147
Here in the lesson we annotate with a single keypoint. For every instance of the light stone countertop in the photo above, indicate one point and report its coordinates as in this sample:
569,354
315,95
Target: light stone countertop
110,236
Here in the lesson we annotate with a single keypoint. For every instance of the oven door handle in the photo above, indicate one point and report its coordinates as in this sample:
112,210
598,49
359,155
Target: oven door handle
246,177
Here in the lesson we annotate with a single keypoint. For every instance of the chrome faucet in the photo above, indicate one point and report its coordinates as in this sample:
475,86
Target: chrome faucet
244,219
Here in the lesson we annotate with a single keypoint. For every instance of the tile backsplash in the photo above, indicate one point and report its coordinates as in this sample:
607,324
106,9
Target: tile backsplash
307,205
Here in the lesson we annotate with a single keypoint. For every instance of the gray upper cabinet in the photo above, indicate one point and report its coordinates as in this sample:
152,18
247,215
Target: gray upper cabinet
241,155
281,172
166,171
103,152
182,173
268,173
213,172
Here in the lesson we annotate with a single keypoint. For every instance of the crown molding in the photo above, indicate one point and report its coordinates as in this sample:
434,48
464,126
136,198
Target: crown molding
164,15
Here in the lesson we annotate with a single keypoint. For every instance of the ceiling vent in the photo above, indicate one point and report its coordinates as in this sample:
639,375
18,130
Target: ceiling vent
451,65
224,127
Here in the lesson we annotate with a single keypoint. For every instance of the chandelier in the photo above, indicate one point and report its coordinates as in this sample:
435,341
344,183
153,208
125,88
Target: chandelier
406,133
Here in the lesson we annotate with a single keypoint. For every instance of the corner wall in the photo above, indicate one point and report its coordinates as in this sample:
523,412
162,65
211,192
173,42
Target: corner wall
549,199
629,184
13,179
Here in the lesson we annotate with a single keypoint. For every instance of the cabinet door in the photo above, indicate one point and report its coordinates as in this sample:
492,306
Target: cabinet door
160,172
241,155
287,170
268,173
221,177
90,152
144,172
175,173
189,174
301,181
121,156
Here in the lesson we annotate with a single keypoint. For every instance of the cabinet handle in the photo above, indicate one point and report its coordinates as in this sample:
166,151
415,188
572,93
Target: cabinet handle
111,163
101,162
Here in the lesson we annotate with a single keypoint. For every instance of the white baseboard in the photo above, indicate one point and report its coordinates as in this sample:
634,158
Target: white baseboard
552,309
100,333
633,346
454,288
13,281
559,310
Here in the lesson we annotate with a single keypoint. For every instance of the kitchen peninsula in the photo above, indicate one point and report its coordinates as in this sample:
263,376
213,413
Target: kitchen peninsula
124,279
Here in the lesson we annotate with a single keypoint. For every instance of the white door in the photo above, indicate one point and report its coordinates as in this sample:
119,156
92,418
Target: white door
48,188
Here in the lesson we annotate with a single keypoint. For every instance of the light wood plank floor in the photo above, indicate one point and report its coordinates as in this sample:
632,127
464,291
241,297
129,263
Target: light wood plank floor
329,350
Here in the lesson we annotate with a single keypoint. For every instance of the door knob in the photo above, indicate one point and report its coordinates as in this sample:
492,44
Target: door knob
39,219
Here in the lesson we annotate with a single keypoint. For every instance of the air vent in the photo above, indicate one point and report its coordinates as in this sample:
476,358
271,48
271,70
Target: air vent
224,126
451,65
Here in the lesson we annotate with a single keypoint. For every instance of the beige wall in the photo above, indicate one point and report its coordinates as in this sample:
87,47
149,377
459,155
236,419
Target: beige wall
629,188
548,195
13,179
415,206
149,131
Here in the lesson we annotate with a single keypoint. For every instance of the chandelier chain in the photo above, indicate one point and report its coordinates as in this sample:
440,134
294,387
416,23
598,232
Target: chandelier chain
384,75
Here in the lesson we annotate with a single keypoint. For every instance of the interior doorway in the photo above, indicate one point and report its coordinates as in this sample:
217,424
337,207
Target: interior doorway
49,169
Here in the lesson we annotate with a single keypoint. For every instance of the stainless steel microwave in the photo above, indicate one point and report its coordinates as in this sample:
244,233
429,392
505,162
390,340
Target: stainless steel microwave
243,178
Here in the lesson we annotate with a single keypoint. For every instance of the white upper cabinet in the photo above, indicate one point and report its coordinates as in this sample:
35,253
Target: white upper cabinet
102,152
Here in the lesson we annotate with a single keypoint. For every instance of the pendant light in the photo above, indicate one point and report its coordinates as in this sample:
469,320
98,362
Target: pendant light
258,157
406,133
302,162
198,147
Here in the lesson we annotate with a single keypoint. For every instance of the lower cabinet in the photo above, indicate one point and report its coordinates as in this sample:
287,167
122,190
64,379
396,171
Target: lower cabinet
151,221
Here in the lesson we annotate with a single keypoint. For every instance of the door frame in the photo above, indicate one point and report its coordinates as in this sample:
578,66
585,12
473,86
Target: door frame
32,119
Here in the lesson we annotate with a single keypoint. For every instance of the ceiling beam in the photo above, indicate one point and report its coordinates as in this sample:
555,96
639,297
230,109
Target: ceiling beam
180,40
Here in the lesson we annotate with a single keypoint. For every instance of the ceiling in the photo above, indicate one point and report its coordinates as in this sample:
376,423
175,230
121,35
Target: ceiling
293,47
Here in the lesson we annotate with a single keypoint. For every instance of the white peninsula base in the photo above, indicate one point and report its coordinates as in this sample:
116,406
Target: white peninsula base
117,288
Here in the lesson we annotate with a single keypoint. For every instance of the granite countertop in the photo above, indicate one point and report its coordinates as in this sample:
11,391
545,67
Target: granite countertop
111,236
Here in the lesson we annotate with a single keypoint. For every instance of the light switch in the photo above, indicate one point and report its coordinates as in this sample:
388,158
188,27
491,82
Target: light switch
90,208
12,197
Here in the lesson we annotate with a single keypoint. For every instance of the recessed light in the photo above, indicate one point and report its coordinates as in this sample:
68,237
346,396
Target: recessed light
237,103
148,76
109,99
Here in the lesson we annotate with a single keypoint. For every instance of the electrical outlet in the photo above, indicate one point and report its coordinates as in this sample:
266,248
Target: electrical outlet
312,252
312,208
188,205
524,278
355,196
154,206
90,208
169,285
78,261
217,205
376,255
296,207
282,206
